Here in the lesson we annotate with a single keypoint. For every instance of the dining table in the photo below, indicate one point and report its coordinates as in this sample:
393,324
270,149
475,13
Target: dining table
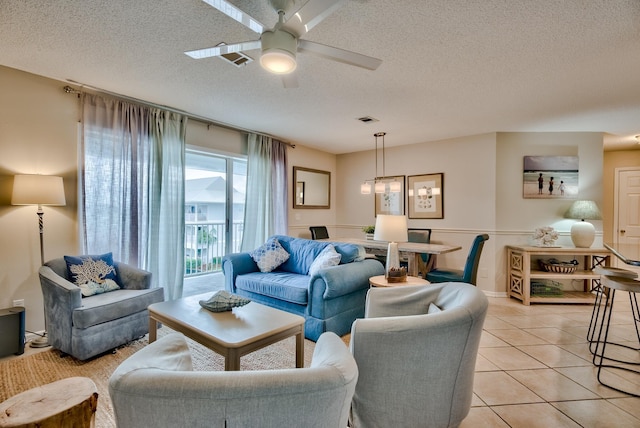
411,250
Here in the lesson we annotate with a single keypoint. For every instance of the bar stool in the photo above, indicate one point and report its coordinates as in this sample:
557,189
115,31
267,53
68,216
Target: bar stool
600,294
611,282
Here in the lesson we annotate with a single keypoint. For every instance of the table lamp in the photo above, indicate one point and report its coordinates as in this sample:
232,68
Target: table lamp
391,228
582,232
38,190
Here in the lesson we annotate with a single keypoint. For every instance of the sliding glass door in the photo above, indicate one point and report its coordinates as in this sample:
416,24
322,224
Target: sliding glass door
215,188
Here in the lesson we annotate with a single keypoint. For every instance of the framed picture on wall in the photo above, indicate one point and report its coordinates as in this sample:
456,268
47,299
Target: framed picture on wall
390,202
426,196
550,177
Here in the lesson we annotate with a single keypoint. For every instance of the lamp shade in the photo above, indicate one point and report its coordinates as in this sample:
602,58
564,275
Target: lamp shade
391,228
584,210
582,232
37,190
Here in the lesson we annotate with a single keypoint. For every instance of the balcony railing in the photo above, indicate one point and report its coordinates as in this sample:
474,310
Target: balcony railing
205,245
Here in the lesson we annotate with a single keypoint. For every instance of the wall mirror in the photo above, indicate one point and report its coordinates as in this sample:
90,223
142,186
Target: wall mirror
311,188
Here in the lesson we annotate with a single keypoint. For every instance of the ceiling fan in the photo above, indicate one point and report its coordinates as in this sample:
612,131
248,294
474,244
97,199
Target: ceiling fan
280,44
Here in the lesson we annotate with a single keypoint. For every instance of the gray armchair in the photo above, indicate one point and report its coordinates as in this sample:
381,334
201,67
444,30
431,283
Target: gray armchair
416,350
157,388
87,326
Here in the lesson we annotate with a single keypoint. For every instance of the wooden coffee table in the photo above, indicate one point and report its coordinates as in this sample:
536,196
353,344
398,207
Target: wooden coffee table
232,333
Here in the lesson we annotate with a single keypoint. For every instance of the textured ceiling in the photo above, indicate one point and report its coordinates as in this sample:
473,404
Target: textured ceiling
450,68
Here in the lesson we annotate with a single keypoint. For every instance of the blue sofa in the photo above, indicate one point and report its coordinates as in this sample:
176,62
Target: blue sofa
330,300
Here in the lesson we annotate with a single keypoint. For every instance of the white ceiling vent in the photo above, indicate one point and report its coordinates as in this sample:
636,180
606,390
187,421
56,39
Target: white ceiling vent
367,119
236,58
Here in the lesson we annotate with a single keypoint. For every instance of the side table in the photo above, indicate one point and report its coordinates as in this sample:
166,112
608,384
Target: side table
381,281
70,402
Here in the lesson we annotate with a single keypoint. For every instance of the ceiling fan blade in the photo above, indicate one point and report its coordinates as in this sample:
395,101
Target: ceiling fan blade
235,13
340,55
290,80
224,49
310,15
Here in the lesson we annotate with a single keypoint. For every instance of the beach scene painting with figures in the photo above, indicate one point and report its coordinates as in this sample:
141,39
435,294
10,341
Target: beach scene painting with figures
550,177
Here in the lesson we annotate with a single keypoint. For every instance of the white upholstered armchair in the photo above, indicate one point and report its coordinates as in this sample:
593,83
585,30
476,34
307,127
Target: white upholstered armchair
416,351
157,388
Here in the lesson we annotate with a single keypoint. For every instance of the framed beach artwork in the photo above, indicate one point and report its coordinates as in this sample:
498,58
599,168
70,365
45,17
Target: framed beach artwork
390,202
550,177
426,196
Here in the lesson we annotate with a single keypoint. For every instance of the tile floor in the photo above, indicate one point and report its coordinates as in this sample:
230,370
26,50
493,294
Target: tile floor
534,369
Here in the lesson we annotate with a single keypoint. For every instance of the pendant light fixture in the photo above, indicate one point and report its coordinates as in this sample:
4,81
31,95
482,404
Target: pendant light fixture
379,185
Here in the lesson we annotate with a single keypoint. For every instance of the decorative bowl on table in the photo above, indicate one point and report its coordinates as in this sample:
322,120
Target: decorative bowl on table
557,266
397,275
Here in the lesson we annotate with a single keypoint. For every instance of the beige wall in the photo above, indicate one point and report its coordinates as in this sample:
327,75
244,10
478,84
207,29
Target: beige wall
482,191
516,217
482,185
301,218
38,135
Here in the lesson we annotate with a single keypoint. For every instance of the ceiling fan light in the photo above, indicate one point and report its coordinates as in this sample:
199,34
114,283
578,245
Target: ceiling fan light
278,52
278,61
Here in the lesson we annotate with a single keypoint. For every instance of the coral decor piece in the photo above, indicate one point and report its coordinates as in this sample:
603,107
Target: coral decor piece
545,236
92,271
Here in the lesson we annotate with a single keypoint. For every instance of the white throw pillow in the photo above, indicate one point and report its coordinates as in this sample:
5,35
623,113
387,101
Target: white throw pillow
269,255
328,257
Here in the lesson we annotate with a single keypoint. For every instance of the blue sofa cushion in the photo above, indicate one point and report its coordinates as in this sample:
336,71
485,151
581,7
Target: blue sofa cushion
302,253
349,252
290,287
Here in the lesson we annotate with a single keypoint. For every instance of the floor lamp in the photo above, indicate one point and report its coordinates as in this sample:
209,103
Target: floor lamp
38,190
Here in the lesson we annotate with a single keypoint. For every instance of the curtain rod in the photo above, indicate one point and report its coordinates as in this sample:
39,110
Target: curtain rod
69,90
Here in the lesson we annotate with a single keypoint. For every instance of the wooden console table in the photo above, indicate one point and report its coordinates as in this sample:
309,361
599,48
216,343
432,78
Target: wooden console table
522,268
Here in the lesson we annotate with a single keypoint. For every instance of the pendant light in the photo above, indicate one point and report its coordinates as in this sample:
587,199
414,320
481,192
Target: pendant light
379,185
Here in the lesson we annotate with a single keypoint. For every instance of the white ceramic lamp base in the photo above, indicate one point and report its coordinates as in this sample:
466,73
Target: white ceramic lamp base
583,234
393,258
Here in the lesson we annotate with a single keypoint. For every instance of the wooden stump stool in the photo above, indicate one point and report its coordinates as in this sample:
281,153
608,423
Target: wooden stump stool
67,403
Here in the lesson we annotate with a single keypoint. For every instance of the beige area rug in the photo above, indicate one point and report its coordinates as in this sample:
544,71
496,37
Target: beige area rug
21,374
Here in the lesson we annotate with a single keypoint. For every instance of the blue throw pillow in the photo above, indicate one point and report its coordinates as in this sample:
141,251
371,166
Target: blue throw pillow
94,274
269,255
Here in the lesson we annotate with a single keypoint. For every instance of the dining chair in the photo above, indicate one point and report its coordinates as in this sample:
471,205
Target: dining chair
422,236
470,271
319,232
